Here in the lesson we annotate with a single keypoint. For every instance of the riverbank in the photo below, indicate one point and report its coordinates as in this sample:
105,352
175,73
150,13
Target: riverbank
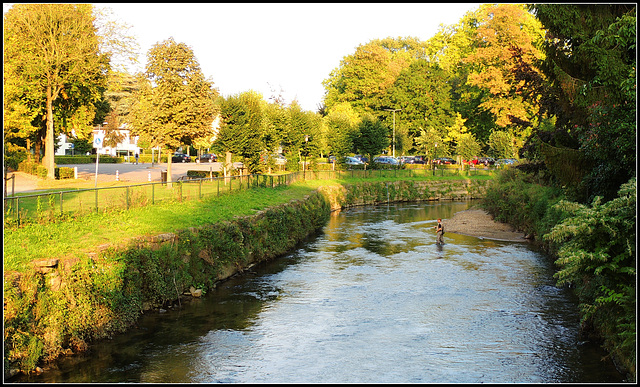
478,223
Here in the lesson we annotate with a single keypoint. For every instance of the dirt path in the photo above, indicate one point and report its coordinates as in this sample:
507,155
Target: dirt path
478,223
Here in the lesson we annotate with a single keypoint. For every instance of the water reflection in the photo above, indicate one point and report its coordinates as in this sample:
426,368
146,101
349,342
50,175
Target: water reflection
371,300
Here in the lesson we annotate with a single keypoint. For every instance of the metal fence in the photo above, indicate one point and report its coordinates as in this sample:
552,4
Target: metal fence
43,206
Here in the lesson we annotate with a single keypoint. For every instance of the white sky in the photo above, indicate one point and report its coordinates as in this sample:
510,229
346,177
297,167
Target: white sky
293,47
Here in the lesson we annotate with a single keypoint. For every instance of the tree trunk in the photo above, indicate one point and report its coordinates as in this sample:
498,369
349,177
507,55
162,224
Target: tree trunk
169,167
49,149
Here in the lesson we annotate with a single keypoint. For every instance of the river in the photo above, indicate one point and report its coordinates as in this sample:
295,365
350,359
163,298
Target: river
372,299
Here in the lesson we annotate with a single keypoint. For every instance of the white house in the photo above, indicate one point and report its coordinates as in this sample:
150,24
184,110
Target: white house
127,147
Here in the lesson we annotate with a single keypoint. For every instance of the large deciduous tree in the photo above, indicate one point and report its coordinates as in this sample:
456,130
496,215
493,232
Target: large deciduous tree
364,77
591,62
423,94
53,62
504,65
176,106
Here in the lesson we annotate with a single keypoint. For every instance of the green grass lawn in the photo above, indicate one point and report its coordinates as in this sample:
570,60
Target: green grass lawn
84,232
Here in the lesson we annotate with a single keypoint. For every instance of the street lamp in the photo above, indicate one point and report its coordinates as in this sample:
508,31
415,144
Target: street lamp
435,156
304,166
394,129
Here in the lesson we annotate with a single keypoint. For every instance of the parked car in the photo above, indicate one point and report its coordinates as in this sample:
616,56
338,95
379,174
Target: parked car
386,160
352,161
411,160
278,159
486,160
418,160
362,158
180,158
506,162
444,160
208,158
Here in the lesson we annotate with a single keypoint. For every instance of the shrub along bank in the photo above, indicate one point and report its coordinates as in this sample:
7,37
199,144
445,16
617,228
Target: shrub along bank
594,247
63,303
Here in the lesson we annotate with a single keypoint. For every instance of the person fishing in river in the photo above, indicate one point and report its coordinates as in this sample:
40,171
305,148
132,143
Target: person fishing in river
439,232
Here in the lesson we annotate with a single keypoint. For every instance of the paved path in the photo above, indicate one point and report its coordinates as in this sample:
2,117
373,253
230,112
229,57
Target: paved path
127,172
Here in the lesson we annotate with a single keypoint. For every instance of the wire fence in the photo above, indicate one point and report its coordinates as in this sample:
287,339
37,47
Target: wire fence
22,208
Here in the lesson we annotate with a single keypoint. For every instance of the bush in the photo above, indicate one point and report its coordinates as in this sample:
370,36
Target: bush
32,168
202,174
595,248
65,173
597,255
13,159
90,159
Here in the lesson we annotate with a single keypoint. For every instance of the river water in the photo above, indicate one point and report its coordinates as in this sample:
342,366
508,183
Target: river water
372,299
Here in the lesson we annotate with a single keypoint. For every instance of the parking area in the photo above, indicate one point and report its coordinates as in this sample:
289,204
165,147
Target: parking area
140,172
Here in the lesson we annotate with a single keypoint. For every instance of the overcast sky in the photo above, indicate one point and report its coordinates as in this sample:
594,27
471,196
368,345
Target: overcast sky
293,47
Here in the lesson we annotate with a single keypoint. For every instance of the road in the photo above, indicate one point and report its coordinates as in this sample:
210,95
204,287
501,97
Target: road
126,172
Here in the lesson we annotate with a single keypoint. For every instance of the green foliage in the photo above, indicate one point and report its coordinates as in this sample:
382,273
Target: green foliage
242,128
339,135
592,67
371,137
364,77
502,145
175,103
54,67
33,169
519,198
431,144
423,93
598,255
468,147
91,159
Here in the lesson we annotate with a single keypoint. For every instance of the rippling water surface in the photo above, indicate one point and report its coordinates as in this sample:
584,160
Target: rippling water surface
370,300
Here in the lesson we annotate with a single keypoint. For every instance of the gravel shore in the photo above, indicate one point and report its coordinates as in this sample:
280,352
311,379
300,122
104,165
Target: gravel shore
478,223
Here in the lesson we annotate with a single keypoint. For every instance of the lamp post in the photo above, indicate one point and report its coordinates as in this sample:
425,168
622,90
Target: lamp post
394,129
435,156
304,166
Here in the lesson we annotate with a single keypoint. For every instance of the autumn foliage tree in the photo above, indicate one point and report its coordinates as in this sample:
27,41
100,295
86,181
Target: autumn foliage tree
508,38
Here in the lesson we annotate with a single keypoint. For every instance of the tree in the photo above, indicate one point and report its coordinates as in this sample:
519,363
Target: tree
422,91
339,135
505,63
176,106
371,136
501,144
467,146
431,144
591,64
364,77
52,53
242,128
